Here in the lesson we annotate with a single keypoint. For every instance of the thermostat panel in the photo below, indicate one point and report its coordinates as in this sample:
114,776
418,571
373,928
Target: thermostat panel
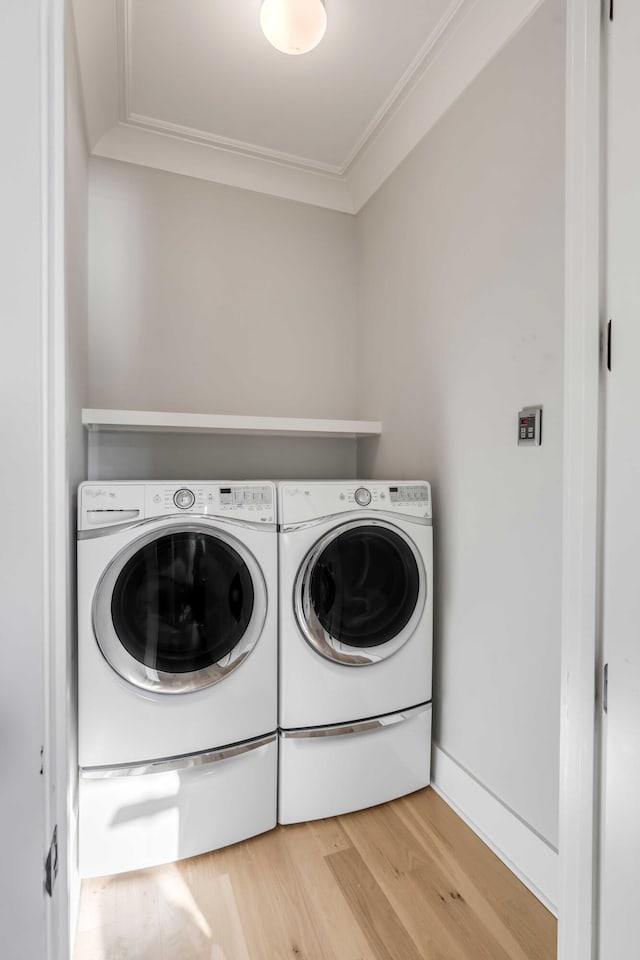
530,427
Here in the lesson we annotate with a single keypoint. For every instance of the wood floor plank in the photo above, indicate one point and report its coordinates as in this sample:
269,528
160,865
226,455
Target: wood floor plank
134,928
424,893
380,924
330,835
402,881
97,903
199,915
504,898
276,917
342,939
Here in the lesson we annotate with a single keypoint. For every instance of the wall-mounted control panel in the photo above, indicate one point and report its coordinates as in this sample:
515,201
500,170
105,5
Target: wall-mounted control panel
530,427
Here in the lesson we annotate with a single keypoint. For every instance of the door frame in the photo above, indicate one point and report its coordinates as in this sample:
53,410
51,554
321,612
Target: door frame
584,292
58,625
581,565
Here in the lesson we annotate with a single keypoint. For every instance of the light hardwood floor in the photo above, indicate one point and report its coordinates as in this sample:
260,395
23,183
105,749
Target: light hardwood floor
404,881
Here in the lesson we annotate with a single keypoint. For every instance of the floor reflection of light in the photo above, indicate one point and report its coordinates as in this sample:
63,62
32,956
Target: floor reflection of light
175,892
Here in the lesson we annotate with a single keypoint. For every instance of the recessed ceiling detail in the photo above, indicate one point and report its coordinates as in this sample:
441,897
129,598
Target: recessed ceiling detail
194,87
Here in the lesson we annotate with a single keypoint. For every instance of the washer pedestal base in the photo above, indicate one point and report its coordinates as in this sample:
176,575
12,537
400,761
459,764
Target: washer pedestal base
133,822
326,772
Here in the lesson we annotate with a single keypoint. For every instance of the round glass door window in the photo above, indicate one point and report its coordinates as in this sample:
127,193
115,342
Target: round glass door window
179,609
360,592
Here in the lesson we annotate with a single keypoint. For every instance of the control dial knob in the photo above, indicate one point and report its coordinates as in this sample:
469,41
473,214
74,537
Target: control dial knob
363,497
184,498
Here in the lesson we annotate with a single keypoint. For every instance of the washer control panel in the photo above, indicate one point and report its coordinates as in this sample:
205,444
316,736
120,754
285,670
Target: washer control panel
241,501
413,493
239,496
107,504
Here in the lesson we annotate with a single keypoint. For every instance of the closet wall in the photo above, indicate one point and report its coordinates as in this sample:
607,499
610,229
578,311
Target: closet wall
461,287
210,299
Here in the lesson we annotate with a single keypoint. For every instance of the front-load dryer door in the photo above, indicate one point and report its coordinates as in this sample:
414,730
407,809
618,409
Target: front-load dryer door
360,592
179,608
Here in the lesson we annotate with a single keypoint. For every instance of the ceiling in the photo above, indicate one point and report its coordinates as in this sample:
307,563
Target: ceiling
193,86
205,65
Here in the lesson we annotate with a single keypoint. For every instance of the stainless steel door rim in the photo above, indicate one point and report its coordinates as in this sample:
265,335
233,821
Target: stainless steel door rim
145,677
312,629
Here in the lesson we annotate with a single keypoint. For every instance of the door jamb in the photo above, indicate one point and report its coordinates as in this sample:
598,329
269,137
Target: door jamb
584,289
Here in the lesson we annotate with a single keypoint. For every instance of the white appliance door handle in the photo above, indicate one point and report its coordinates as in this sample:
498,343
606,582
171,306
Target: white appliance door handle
176,763
361,726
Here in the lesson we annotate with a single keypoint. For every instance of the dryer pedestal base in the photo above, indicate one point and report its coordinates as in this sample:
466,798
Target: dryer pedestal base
132,822
324,772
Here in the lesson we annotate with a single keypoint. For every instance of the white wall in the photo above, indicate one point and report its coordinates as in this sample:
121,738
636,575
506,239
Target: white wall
76,279
461,304
207,298
188,456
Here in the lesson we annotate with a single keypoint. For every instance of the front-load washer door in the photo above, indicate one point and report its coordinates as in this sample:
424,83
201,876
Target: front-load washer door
179,608
360,592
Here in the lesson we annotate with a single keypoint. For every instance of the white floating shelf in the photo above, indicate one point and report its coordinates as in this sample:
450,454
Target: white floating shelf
147,420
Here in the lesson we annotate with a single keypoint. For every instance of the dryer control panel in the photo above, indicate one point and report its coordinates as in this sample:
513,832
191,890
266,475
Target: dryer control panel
106,504
301,502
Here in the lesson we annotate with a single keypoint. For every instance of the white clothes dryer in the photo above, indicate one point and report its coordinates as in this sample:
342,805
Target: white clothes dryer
355,644
177,669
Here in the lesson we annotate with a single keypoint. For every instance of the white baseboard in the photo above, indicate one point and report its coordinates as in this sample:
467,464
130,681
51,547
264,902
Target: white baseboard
532,860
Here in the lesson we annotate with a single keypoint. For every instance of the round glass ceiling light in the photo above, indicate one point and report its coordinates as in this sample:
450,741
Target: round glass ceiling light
293,26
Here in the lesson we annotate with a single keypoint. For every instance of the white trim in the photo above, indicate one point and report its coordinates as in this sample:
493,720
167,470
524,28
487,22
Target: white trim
467,37
227,143
470,41
580,585
207,161
148,420
55,507
523,850
415,68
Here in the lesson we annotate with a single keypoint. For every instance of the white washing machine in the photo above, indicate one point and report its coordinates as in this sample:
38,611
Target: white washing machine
355,645
177,661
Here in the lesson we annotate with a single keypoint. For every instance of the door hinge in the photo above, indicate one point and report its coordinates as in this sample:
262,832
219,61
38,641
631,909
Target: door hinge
609,346
51,863
605,688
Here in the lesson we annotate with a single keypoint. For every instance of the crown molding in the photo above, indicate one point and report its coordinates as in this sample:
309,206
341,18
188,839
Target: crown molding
466,39
164,151
226,143
414,69
466,45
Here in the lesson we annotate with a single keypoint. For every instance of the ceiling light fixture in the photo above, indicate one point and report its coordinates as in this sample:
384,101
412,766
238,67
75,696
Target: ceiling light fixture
293,26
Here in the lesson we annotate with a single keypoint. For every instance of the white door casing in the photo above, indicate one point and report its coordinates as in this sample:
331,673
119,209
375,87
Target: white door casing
620,839
33,582
584,248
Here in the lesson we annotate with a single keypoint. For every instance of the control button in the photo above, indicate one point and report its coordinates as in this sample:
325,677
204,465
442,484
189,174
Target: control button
342,496
363,497
184,498
157,498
